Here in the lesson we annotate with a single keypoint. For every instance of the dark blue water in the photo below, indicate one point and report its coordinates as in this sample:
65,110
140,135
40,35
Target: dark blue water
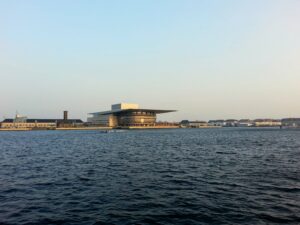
180,176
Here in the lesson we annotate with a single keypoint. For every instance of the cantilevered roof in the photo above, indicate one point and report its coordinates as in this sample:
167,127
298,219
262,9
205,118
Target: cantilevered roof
117,112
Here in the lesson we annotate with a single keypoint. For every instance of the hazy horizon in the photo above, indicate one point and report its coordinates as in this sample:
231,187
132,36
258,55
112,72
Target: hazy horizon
206,59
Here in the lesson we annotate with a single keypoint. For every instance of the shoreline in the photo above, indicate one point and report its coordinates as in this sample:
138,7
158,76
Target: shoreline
131,128
62,128
87,128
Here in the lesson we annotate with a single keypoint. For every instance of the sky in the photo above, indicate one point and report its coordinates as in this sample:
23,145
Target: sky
208,59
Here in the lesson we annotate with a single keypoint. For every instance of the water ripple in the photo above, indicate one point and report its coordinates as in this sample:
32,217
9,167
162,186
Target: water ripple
183,176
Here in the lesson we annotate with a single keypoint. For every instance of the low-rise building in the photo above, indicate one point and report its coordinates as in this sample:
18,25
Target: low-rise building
267,123
217,123
193,124
291,122
28,123
245,123
231,123
22,122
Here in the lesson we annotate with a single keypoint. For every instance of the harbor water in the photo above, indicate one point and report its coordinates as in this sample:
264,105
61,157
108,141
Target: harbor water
168,176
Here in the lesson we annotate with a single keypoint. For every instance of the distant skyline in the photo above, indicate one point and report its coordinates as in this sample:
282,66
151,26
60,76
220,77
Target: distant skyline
207,59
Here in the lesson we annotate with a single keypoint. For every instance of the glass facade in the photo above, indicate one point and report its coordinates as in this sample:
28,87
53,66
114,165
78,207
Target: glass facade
136,118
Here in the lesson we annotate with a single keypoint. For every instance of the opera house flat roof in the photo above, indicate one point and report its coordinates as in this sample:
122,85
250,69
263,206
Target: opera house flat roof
119,111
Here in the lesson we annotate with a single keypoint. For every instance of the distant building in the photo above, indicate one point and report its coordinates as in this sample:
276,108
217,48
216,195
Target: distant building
267,123
193,124
126,115
291,122
231,123
68,123
28,123
22,122
245,123
217,123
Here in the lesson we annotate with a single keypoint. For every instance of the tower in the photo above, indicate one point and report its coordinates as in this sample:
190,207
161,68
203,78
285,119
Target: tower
65,115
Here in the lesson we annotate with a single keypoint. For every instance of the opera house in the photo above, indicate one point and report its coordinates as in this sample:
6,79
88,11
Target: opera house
126,115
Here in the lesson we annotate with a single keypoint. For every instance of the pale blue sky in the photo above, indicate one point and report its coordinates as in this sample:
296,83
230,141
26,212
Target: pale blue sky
208,59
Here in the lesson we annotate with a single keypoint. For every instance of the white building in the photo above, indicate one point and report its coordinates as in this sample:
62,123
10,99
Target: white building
193,124
217,123
245,123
